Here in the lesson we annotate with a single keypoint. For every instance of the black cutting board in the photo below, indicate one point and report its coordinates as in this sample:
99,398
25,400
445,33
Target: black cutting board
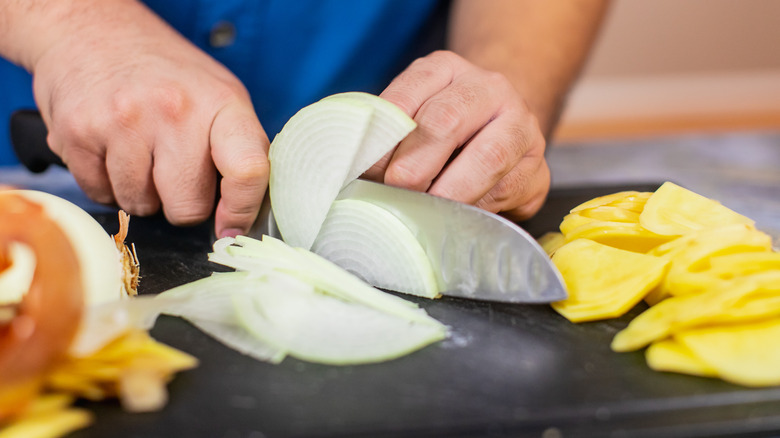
508,370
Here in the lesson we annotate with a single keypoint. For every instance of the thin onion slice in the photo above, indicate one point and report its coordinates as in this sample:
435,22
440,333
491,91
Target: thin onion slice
320,328
260,256
370,242
320,150
310,159
388,126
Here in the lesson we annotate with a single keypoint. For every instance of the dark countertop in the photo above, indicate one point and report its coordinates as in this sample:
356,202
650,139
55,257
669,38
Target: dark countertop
508,370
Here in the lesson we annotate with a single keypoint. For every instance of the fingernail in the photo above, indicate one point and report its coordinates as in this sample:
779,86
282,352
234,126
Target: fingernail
231,232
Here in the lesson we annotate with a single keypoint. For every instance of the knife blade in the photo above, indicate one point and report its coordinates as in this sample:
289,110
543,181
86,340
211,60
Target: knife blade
475,254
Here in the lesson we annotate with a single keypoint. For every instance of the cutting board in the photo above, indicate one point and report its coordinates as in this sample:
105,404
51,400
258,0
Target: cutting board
507,370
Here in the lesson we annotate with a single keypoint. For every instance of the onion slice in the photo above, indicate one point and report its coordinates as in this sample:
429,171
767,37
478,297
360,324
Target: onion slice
372,243
272,254
310,159
274,314
321,149
387,127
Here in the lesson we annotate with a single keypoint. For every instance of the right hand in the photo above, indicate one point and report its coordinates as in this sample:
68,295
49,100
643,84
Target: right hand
144,119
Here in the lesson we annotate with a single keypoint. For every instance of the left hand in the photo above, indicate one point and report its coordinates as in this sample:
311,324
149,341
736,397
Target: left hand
476,141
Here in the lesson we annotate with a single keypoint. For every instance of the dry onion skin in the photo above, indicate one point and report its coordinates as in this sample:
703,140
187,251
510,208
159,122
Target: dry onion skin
37,332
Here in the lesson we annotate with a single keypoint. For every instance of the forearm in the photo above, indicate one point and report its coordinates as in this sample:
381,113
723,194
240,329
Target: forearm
540,46
28,28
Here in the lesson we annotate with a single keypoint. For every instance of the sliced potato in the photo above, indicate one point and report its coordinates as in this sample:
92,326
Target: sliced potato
745,354
621,235
690,259
603,282
670,355
550,242
673,211
622,199
741,299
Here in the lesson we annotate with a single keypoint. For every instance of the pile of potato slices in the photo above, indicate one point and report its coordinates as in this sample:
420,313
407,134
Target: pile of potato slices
711,281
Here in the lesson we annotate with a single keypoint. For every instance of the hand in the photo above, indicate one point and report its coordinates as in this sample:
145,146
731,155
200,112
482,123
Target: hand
476,140
144,119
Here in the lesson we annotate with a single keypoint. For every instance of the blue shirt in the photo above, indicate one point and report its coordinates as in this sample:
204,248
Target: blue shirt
288,53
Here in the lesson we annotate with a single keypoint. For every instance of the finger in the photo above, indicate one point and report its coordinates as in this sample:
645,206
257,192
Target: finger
446,121
184,175
239,148
129,164
88,167
412,88
522,192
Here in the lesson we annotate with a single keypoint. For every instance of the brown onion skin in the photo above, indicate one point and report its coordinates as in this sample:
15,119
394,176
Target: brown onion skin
48,317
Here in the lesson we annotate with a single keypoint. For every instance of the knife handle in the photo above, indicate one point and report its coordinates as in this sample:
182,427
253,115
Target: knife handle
28,138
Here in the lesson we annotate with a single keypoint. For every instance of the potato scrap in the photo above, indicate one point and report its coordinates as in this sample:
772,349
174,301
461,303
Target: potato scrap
49,416
715,305
134,368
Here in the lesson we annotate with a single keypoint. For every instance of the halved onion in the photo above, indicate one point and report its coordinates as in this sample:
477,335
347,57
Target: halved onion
45,321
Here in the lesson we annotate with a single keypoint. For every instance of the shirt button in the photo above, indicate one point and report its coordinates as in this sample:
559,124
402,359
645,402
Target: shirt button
222,34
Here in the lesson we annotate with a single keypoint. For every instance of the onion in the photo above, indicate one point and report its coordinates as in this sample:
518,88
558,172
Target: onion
56,264
322,148
108,270
47,318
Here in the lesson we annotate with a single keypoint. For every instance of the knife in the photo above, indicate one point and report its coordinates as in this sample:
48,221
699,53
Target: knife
475,254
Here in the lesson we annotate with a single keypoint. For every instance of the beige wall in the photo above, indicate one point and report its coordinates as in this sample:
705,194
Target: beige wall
664,66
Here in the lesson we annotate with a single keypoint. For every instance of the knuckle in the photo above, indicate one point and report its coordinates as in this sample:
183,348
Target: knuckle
407,175
441,120
126,108
444,56
140,208
187,213
495,159
171,102
249,171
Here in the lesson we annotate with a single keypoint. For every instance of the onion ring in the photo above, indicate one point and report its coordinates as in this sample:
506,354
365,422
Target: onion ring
47,319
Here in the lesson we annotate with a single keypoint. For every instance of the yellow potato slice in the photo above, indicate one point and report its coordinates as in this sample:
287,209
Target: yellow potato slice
635,203
673,211
747,263
603,282
746,354
611,214
628,236
690,259
48,425
745,298
572,221
551,241
670,355
630,197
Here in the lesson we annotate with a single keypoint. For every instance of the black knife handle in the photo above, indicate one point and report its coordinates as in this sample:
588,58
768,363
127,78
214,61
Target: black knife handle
28,137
